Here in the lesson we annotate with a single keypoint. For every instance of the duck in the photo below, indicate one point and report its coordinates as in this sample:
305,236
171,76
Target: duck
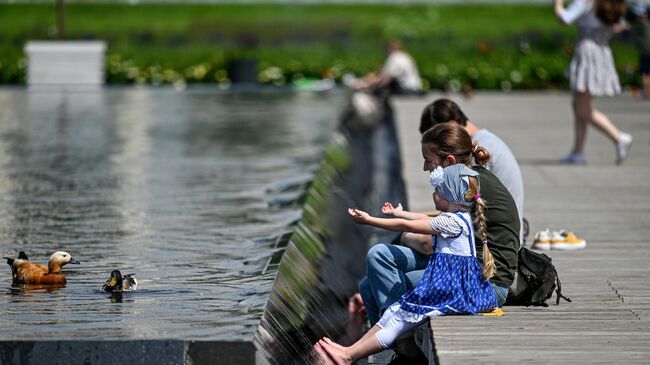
120,283
23,271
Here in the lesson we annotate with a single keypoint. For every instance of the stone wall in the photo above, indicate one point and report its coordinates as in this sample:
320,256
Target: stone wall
325,256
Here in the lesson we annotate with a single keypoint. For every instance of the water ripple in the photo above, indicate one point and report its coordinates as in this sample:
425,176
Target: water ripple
190,191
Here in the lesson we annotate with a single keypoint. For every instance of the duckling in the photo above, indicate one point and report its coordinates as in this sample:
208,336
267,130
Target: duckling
23,271
119,283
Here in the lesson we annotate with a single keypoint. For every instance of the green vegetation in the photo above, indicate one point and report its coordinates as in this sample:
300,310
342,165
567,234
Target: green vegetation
481,46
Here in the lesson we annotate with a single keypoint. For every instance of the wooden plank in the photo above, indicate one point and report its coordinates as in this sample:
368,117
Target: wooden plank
609,318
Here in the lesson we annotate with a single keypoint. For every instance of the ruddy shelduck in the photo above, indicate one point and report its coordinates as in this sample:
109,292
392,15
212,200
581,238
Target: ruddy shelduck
24,271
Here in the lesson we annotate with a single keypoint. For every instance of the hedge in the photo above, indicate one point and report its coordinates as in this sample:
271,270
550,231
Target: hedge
456,46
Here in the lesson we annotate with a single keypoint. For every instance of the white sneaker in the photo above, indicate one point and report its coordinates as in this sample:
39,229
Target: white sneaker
566,241
542,240
623,147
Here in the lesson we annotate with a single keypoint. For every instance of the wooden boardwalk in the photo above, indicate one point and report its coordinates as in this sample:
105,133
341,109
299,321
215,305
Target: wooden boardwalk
608,205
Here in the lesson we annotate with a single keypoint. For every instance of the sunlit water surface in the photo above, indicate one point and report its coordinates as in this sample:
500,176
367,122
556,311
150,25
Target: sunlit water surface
188,190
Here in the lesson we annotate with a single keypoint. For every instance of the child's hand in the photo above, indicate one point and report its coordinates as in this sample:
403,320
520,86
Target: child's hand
358,216
389,209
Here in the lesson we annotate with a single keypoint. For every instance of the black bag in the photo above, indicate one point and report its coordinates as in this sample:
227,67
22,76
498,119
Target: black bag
536,280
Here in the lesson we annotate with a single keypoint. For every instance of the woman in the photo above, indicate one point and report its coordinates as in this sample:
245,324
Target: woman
592,72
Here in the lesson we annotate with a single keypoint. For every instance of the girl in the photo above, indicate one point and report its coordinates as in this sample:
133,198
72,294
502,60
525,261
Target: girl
453,281
592,72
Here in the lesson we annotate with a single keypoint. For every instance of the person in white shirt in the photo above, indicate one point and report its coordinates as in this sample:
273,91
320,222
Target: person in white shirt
399,73
502,161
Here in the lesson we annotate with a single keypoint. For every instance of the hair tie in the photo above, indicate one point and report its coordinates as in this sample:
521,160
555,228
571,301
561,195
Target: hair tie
485,242
477,196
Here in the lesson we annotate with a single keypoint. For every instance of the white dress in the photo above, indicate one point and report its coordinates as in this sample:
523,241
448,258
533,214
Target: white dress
452,282
592,67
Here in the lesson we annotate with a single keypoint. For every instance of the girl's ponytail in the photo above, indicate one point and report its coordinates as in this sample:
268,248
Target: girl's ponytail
480,222
480,154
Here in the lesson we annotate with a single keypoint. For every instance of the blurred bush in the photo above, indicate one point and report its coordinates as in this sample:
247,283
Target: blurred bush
456,46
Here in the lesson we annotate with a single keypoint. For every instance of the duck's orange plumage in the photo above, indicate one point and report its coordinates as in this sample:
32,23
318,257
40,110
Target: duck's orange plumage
25,272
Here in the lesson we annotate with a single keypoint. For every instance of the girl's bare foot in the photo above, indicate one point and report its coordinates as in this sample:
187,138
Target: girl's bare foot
335,352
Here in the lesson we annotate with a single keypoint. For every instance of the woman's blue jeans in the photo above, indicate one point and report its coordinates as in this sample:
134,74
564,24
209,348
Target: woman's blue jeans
393,270
501,293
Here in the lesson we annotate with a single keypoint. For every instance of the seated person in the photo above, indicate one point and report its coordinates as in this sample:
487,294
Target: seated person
392,270
399,74
502,161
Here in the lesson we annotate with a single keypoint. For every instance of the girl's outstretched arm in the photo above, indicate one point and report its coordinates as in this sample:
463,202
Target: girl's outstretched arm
399,212
393,224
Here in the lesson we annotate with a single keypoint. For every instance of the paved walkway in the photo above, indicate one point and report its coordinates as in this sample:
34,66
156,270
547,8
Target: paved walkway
608,205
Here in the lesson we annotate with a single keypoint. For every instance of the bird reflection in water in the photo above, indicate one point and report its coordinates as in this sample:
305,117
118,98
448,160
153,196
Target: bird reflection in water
22,289
116,297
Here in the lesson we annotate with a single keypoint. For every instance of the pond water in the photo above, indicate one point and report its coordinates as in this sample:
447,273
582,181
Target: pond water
188,190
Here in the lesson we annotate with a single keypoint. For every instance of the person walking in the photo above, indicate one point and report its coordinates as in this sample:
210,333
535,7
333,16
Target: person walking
592,72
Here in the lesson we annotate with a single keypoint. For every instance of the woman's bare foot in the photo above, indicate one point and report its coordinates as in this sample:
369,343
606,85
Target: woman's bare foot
336,352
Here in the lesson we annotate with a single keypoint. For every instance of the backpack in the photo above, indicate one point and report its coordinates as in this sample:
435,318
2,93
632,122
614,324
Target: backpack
536,279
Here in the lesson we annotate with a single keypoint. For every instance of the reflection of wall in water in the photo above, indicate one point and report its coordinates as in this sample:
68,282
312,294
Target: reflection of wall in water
130,163
55,155
10,106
